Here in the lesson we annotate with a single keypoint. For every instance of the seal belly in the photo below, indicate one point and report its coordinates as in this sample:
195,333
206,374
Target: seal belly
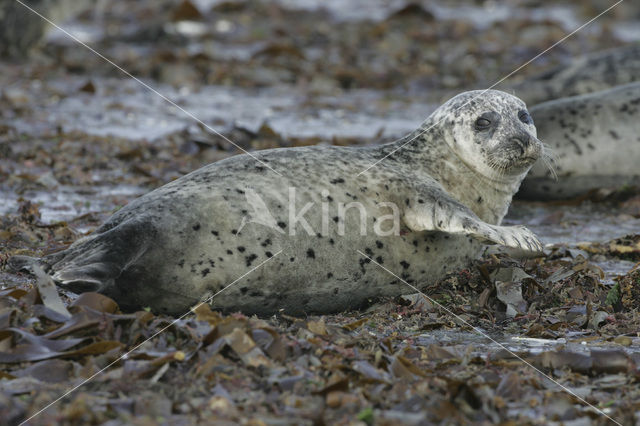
339,278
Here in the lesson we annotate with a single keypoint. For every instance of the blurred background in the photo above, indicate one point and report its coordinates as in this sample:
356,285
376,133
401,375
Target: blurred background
79,136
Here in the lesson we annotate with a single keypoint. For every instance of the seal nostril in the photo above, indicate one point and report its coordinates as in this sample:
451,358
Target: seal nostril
520,143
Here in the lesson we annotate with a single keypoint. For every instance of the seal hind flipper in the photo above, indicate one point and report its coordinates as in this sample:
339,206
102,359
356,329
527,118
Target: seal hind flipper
96,262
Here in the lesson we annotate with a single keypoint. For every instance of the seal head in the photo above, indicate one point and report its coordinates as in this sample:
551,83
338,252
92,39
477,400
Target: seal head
479,146
494,137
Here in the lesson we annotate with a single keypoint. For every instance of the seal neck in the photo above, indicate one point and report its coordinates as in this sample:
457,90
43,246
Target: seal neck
426,152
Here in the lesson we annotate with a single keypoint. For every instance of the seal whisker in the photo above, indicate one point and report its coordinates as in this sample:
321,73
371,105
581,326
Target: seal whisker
495,160
549,160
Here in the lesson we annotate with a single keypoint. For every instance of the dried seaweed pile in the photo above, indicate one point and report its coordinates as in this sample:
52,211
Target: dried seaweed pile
405,360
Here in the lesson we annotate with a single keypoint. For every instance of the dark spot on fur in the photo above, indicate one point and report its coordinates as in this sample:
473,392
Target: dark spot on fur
282,225
338,180
311,254
204,272
363,262
329,275
244,290
229,252
215,233
266,242
404,264
379,259
241,249
379,244
251,258
239,191
268,254
196,227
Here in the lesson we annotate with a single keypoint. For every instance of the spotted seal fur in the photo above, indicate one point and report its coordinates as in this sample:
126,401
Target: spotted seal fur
448,184
22,29
585,74
596,142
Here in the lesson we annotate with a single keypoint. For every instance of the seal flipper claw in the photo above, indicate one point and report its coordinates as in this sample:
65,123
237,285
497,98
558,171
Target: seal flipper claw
517,237
91,277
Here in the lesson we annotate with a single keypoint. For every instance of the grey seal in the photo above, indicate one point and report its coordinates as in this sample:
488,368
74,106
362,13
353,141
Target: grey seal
426,208
585,74
21,29
596,142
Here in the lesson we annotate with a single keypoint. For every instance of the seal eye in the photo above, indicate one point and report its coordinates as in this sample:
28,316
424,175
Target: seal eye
525,117
482,123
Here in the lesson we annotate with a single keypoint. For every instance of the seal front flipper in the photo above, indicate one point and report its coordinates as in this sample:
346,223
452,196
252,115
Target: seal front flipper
440,212
517,237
